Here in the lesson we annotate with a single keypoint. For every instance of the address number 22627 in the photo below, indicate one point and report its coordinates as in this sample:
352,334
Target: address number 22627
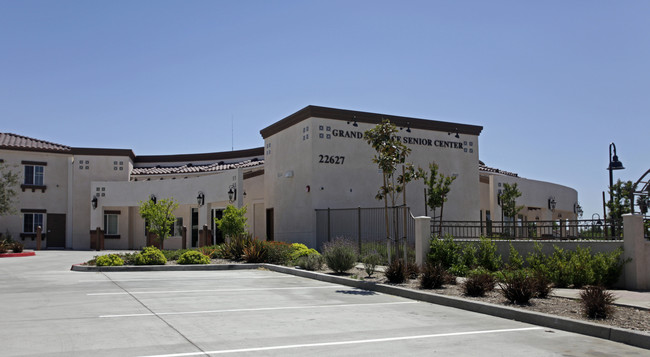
327,159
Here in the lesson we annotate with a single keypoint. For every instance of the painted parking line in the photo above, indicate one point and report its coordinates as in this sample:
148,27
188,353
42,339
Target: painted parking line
340,343
223,290
188,279
260,309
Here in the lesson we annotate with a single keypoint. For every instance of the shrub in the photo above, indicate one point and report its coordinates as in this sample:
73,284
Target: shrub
128,258
537,261
340,255
212,251
279,252
444,251
515,261
467,258
459,269
396,272
517,286
17,247
370,262
235,248
434,276
596,302
255,252
608,267
193,257
559,269
301,250
311,262
109,260
171,255
486,255
150,256
4,247
478,282
412,270
542,285
580,267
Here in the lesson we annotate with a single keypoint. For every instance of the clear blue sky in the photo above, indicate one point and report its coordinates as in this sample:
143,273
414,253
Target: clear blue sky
551,82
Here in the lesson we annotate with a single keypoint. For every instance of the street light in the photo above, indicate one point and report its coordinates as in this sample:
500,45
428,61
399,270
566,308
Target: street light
614,164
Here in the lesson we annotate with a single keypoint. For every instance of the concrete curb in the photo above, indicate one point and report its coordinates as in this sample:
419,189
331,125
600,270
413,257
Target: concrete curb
614,334
14,255
189,267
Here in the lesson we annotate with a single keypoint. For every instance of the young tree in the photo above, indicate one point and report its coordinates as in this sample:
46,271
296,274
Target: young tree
438,187
391,153
620,203
159,217
8,183
509,202
233,223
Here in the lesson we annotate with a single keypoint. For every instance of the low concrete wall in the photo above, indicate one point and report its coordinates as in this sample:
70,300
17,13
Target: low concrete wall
637,248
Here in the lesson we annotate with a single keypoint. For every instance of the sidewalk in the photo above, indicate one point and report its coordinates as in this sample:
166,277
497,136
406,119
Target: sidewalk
623,297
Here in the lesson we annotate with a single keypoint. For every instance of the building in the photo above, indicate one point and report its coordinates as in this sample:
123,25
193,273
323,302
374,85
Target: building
313,159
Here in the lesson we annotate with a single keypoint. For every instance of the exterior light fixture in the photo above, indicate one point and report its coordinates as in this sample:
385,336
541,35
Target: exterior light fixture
232,193
408,126
153,198
354,122
93,202
455,130
499,197
599,222
577,209
614,164
200,199
551,203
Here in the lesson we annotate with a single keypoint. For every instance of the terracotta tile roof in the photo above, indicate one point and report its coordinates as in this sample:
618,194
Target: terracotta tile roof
190,168
483,168
18,142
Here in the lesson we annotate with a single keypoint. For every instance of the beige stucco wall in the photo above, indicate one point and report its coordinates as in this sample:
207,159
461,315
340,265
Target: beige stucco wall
54,199
300,157
255,207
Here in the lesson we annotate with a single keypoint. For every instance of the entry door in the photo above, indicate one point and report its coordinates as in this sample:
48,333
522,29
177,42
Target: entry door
216,232
56,230
269,224
195,227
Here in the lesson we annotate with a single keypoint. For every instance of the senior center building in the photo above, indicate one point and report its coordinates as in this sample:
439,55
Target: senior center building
311,160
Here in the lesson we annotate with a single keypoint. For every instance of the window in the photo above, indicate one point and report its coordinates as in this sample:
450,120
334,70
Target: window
34,175
110,224
31,221
177,228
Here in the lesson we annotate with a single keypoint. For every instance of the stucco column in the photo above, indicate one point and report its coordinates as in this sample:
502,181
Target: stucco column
637,272
422,239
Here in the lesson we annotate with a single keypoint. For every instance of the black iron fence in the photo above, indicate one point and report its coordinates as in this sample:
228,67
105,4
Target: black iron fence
560,229
366,227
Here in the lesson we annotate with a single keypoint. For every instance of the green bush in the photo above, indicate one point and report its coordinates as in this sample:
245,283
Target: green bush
517,286
608,267
370,262
340,255
193,257
515,261
278,252
467,258
443,251
486,255
311,262
396,272
172,255
150,256
17,247
255,252
212,251
542,284
478,282
580,267
109,260
301,250
235,248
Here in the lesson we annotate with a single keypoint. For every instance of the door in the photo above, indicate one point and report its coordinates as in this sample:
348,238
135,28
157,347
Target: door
195,227
269,224
55,230
216,232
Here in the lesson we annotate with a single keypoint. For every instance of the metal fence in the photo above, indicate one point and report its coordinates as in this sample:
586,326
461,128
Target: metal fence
560,229
366,227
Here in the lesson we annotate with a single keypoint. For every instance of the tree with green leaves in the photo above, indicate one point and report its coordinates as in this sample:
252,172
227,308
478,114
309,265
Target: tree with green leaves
438,187
159,217
391,153
620,203
9,181
509,202
233,222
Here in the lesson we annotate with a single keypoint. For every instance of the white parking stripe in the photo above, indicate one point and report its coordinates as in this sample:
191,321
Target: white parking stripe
224,290
190,279
259,309
339,343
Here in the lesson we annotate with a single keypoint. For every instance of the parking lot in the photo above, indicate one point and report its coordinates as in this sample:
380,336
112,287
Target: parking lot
49,310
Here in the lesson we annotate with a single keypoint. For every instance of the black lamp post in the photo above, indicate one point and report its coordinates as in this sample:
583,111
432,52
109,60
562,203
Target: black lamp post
614,164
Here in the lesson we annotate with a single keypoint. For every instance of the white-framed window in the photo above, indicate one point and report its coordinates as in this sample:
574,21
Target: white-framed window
177,228
31,221
34,175
111,224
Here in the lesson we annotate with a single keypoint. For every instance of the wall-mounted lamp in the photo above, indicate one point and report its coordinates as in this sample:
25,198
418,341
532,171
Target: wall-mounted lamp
200,199
408,127
93,202
577,209
307,188
499,197
551,203
232,193
153,198
354,122
455,130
